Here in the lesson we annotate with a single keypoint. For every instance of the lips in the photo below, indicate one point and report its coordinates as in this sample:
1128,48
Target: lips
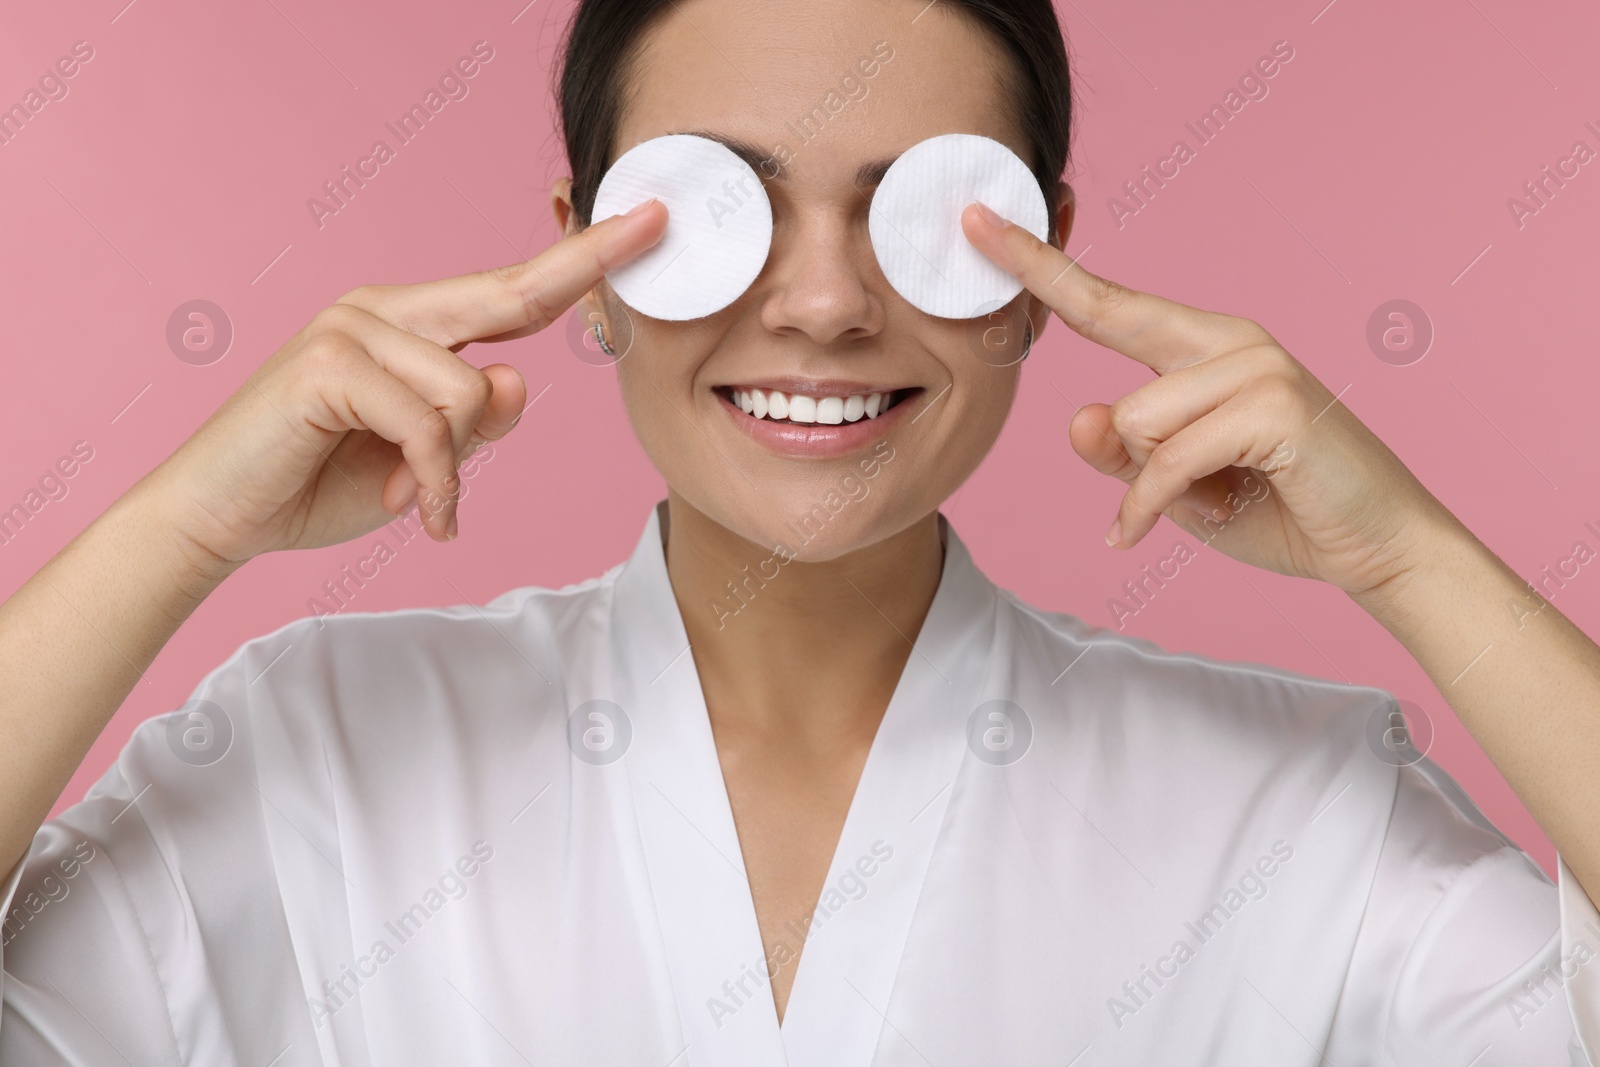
812,409
824,420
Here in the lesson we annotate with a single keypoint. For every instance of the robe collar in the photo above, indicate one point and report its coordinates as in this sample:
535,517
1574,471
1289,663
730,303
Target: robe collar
836,1013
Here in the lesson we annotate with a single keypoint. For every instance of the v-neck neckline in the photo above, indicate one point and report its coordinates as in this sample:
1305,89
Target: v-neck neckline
851,953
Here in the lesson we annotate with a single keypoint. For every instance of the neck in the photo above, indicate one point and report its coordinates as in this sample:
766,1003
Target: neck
813,648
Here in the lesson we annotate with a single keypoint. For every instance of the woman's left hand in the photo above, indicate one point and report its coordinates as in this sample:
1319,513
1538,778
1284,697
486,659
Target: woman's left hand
1235,440
1236,429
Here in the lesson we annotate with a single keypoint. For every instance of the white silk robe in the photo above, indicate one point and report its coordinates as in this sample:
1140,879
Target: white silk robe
421,844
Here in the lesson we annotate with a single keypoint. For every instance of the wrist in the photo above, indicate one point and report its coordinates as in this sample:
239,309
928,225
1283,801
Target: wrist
148,519
1446,561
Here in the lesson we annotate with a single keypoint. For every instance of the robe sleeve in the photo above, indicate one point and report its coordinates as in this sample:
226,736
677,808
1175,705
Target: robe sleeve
1580,943
145,923
1467,953
80,983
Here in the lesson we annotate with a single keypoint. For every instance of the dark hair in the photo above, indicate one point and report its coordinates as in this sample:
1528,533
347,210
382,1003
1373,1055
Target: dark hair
601,43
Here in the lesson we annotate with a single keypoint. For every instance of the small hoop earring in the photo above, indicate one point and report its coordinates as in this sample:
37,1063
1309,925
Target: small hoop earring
1027,342
600,339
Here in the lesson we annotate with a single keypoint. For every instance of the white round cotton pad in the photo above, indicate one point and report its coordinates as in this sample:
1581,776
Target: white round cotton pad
719,225
915,222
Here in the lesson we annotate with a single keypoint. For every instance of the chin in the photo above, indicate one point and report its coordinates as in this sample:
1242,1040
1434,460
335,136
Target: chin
809,527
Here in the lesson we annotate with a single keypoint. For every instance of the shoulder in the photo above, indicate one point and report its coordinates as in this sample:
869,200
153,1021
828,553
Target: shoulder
400,680
1234,742
397,647
1239,731
1125,674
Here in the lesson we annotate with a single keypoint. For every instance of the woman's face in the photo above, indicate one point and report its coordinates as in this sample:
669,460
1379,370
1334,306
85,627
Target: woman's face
792,82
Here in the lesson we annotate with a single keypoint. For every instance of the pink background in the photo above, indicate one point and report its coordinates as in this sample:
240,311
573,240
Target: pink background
1378,167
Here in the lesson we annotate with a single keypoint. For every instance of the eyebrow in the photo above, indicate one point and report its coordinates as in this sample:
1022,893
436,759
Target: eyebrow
868,175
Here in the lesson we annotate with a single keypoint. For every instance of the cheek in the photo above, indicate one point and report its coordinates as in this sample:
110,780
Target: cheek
657,384
1000,339
983,358
982,391
951,435
648,390
989,389
987,395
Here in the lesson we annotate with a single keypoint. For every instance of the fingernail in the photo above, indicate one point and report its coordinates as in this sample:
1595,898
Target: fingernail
989,216
635,209
450,529
1114,534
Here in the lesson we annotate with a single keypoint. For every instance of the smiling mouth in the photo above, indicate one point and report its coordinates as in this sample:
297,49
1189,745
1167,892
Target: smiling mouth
800,409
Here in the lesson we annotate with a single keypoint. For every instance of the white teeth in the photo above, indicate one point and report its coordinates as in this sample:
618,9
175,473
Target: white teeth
802,409
797,407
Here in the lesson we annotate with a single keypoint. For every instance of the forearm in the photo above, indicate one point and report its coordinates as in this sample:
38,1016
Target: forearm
74,640
1522,678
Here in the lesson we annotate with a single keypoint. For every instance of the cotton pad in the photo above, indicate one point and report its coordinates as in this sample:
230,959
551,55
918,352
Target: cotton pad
915,222
719,225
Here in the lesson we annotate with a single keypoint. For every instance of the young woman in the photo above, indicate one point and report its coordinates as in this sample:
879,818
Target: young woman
871,809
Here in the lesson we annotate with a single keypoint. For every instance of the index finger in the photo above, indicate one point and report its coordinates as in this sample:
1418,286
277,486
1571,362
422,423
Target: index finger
520,298
1160,333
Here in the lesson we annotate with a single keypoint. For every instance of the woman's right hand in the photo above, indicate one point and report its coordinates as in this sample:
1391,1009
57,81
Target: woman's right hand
369,408
364,410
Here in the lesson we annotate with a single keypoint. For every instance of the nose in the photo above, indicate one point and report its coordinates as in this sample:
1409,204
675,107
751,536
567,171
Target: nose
818,280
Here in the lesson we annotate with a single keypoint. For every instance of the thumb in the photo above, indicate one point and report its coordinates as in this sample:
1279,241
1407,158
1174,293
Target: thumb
1093,439
505,404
